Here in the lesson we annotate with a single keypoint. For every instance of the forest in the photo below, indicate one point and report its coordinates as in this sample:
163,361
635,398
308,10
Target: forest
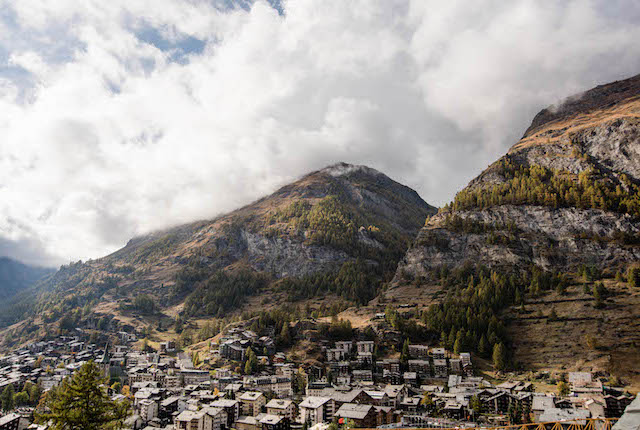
538,185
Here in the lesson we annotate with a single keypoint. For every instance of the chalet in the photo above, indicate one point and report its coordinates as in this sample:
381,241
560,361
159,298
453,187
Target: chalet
384,415
378,398
498,403
396,393
357,416
410,404
455,365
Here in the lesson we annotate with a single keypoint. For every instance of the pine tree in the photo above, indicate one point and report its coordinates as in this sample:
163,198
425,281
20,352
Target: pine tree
82,403
404,356
7,398
34,394
483,348
499,356
458,345
285,337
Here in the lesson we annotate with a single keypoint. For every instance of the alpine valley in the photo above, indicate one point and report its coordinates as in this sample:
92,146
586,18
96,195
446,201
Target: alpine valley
538,253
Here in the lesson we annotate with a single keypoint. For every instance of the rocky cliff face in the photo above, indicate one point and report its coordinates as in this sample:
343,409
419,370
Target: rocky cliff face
565,195
345,220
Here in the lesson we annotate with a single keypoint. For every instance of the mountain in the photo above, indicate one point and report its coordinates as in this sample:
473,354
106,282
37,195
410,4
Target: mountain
566,194
16,277
337,233
547,238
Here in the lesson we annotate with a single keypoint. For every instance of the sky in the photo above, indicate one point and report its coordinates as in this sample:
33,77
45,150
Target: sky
122,117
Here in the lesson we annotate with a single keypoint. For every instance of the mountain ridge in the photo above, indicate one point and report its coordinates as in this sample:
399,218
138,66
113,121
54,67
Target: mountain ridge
16,276
559,214
344,222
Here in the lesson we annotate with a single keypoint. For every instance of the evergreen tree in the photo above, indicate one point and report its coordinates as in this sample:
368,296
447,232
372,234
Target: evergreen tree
499,356
483,348
21,399
251,364
34,394
82,403
458,345
7,398
404,356
633,277
285,336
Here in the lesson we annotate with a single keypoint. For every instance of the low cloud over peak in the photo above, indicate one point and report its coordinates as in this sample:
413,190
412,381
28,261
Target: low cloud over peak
119,117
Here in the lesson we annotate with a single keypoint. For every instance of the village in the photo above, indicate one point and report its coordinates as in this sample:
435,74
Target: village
253,386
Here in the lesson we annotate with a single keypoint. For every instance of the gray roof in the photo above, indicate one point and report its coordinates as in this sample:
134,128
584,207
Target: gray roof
557,414
353,411
271,419
630,420
540,403
279,403
313,402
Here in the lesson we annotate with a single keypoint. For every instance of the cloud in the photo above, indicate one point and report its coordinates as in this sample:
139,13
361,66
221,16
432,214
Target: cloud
122,117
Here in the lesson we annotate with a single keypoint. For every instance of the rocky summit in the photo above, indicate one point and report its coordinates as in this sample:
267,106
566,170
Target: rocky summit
565,195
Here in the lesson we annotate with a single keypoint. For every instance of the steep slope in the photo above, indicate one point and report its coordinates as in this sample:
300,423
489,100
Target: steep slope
16,276
339,231
553,221
566,194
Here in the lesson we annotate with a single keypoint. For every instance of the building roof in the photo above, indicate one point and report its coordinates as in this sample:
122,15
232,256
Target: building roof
247,420
212,411
189,415
224,403
313,402
251,396
630,420
557,414
279,404
540,403
271,419
353,411
8,418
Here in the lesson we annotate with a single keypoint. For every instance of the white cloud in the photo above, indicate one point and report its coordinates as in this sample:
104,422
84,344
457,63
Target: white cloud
106,135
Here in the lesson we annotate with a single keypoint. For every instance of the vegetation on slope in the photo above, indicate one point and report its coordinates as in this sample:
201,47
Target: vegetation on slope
469,318
537,185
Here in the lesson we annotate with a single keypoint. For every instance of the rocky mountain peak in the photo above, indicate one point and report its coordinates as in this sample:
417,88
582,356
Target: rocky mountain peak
567,194
602,96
